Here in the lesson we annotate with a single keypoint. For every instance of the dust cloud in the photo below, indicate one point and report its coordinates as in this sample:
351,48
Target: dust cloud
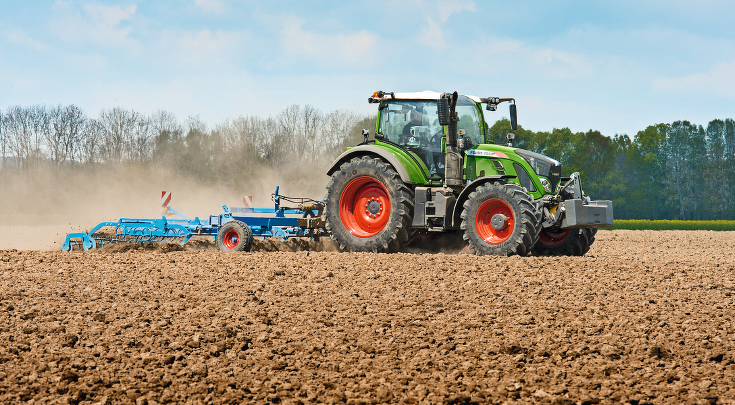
37,210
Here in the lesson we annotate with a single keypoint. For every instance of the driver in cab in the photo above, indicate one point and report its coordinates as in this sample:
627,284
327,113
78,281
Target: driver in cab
418,140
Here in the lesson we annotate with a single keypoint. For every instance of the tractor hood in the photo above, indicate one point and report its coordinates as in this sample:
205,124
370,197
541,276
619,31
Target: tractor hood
543,166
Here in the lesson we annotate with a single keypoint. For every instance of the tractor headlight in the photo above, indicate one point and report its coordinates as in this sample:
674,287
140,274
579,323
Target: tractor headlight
543,166
546,184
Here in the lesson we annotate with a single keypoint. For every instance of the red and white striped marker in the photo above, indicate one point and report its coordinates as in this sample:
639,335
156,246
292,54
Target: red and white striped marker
247,201
165,198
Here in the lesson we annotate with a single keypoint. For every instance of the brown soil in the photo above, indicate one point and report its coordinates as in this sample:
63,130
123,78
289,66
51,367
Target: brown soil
644,317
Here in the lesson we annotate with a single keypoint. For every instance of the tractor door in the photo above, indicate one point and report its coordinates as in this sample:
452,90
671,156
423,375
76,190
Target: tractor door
414,125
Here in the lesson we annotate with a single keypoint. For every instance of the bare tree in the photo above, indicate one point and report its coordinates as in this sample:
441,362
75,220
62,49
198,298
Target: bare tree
118,135
88,148
166,134
308,141
25,130
141,142
337,131
64,138
289,132
274,151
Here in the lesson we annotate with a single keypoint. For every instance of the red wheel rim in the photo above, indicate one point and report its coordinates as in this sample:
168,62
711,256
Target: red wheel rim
364,207
552,237
231,239
483,219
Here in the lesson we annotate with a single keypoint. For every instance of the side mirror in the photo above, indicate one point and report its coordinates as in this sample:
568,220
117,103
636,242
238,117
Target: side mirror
513,117
442,109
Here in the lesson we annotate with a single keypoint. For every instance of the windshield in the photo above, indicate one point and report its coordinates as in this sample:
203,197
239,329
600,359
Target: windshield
408,122
402,120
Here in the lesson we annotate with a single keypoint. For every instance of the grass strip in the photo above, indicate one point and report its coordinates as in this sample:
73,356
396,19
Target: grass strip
673,225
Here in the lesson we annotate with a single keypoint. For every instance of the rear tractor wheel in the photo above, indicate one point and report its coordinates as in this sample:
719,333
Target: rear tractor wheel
368,208
564,242
235,236
500,219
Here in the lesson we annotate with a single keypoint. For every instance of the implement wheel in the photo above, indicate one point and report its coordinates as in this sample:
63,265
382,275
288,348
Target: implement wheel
368,207
500,219
564,242
235,236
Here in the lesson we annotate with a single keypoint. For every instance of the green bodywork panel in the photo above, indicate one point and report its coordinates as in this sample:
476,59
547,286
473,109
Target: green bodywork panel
415,166
478,163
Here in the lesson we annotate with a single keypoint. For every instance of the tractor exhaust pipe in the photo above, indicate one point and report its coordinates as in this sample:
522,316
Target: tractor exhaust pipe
446,109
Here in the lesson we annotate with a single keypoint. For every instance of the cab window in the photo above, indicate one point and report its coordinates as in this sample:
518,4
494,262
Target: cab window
402,120
469,120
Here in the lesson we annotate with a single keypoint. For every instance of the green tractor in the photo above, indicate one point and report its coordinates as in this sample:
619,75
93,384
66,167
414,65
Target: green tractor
429,171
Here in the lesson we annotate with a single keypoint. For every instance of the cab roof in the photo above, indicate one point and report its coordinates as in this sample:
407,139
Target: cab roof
423,95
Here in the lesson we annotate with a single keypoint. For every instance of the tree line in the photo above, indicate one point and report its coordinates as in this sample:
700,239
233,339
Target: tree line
298,139
666,171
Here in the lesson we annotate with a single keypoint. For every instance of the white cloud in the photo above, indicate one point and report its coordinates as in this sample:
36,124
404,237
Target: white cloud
19,37
502,45
210,5
327,48
203,47
97,24
447,8
509,56
432,35
562,64
719,80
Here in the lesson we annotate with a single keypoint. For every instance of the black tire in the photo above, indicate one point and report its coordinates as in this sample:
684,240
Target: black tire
590,234
518,230
354,229
559,242
235,236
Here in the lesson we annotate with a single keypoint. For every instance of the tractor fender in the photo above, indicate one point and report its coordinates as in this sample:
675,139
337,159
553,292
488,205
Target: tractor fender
459,206
368,150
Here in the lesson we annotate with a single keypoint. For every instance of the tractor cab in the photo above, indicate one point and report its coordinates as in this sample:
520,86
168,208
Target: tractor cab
414,126
411,121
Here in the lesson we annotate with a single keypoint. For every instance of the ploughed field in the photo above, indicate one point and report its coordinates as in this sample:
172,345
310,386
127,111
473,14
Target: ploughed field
645,316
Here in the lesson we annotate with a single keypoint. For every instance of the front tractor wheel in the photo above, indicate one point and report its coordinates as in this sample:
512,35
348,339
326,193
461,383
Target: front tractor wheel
500,219
368,207
564,242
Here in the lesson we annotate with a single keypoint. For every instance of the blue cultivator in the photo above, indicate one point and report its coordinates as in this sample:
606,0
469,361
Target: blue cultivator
232,230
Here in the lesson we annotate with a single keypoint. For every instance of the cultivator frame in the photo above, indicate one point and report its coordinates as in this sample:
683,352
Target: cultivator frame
304,220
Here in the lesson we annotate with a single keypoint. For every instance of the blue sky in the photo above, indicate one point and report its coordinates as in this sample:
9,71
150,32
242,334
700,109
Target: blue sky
612,66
